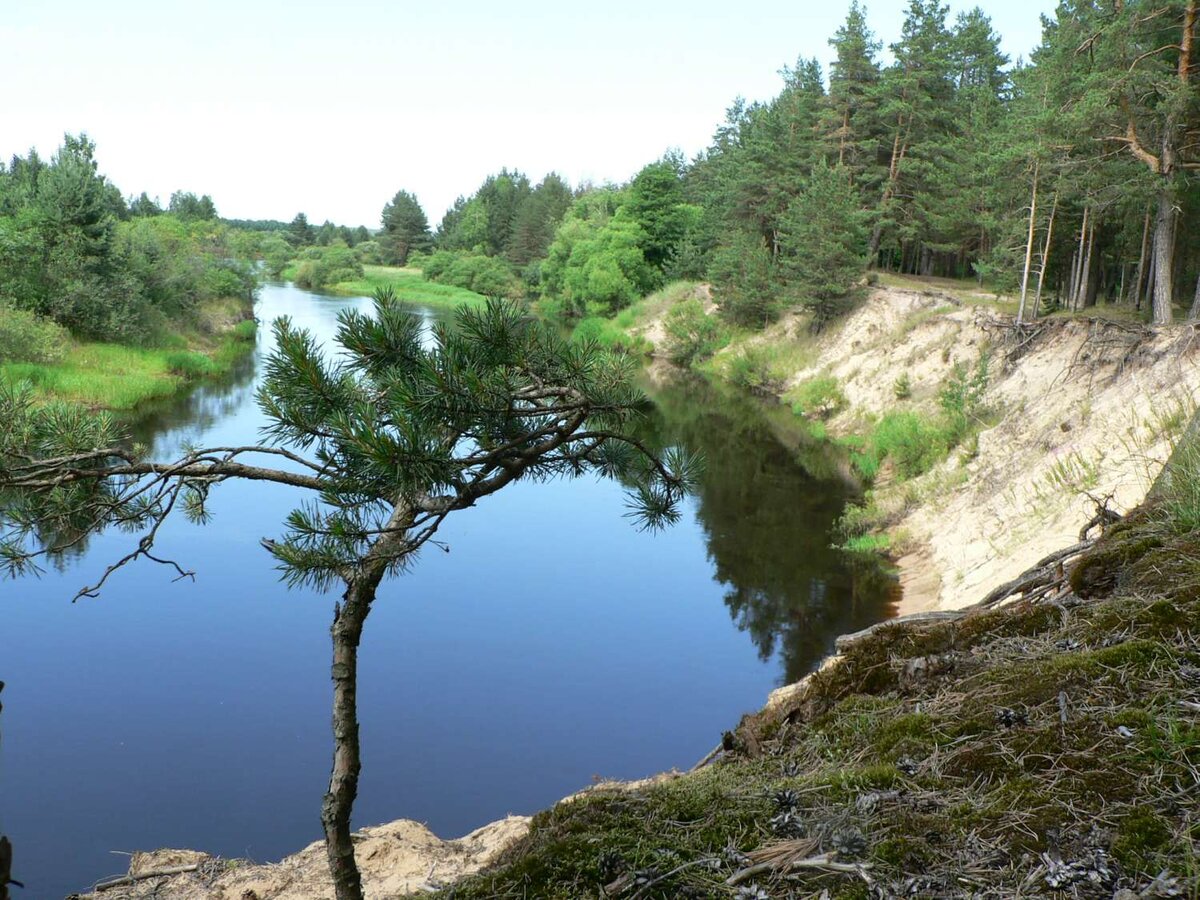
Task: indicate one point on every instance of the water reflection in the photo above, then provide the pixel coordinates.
(767, 507)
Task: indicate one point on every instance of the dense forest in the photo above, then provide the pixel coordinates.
(1066, 180)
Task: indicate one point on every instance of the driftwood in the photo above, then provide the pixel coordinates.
(126, 880)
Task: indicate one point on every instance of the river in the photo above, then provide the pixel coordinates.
(553, 643)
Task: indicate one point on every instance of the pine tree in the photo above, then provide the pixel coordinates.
(385, 440)
(405, 228)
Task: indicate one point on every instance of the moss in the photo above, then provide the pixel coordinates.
(1141, 835)
(1098, 573)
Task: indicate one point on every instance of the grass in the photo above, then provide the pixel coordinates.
(410, 286)
(117, 377)
(820, 396)
(986, 756)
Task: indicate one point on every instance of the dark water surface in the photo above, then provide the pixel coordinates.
(552, 644)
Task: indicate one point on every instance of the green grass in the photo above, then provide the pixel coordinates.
(116, 377)
(410, 286)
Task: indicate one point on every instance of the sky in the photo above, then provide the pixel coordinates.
(274, 108)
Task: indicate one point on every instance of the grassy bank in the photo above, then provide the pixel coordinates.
(118, 377)
(410, 286)
(1043, 749)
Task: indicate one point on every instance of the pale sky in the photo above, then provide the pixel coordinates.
(330, 107)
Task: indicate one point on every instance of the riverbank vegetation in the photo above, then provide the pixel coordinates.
(1067, 182)
(110, 302)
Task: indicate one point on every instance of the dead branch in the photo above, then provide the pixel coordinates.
(126, 880)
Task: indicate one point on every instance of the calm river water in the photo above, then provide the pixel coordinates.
(552, 644)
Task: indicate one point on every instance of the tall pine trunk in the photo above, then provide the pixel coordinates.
(1164, 257)
(1029, 245)
(339, 800)
(1037, 299)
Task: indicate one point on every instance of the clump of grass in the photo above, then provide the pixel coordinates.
(189, 364)
(608, 333)
(410, 286)
(245, 331)
(819, 397)
(1178, 491)
(117, 377)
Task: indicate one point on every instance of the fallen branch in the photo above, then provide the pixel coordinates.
(143, 876)
(1046, 572)
(824, 862)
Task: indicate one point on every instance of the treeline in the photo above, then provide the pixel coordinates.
(75, 253)
(1068, 180)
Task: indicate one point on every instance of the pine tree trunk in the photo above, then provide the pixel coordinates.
(346, 631)
(1164, 258)
(1077, 281)
(1037, 300)
(1087, 293)
(1194, 313)
(1140, 279)
(347, 763)
(899, 148)
(1144, 296)
(1029, 246)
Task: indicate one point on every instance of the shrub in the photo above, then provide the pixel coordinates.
(693, 335)
(487, 275)
(821, 397)
(322, 266)
(902, 387)
(25, 337)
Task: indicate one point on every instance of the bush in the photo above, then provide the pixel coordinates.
(371, 254)
(902, 387)
(322, 266)
(693, 335)
(487, 275)
(25, 337)
(821, 397)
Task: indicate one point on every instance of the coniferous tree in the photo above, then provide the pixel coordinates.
(385, 440)
(405, 229)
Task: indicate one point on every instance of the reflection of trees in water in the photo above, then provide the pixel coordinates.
(767, 521)
(197, 410)
(181, 417)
